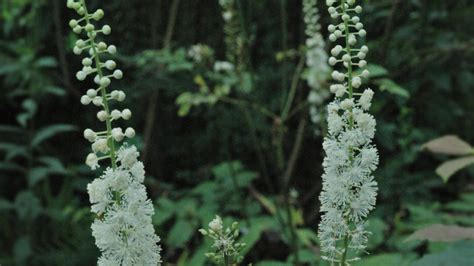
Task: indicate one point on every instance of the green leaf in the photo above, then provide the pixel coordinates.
(272, 263)
(392, 87)
(46, 62)
(180, 233)
(388, 259)
(459, 254)
(36, 175)
(165, 209)
(449, 145)
(27, 205)
(449, 168)
(5, 205)
(54, 164)
(22, 250)
(443, 233)
(376, 71)
(377, 227)
(50, 131)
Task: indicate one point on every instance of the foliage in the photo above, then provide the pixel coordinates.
(422, 73)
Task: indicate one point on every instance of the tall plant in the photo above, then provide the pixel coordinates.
(123, 229)
(349, 189)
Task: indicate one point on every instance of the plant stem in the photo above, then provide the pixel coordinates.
(103, 91)
(151, 110)
(351, 118)
(227, 261)
(294, 86)
(344, 254)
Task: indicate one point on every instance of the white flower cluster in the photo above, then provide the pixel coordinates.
(225, 242)
(123, 230)
(93, 65)
(317, 69)
(200, 53)
(124, 233)
(349, 189)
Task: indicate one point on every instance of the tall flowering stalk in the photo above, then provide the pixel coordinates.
(349, 190)
(317, 68)
(123, 229)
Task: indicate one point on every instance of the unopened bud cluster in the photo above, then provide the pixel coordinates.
(225, 242)
(317, 69)
(349, 189)
(102, 73)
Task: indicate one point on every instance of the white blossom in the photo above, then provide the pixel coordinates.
(125, 234)
(317, 69)
(349, 189)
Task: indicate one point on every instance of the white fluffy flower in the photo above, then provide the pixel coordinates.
(127, 156)
(125, 234)
(216, 224)
(349, 190)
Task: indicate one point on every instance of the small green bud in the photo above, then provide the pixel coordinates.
(118, 74)
(73, 23)
(86, 61)
(81, 11)
(70, 3)
(77, 29)
(89, 27)
(76, 5)
(101, 46)
(106, 29)
(112, 49)
(202, 231)
(98, 14)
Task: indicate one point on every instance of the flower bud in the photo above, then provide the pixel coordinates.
(81, 75)
(90, 135)
(118, 74)
(85, 100)
(112, 49)
(126, 114)
(100, 145)
(104, 82)
(117, 134)
(110, 64)
(116, 114)
(102, 115)
(91, 93)
(87, 61)
(98, 14)
(106, 29)
(129, 132)
(92, 161)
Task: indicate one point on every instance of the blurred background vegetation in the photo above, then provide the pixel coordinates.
(219, 157)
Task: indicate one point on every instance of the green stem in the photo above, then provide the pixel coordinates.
(294, 86)
(227, 261)
(103, 91)
(351, 119)
(344, 254)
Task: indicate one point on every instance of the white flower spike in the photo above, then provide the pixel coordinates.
(124, 233)
(349, 189)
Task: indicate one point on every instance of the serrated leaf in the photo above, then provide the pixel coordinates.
(449, 145)
(50, 131)
(449, 168)
(443, 233)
